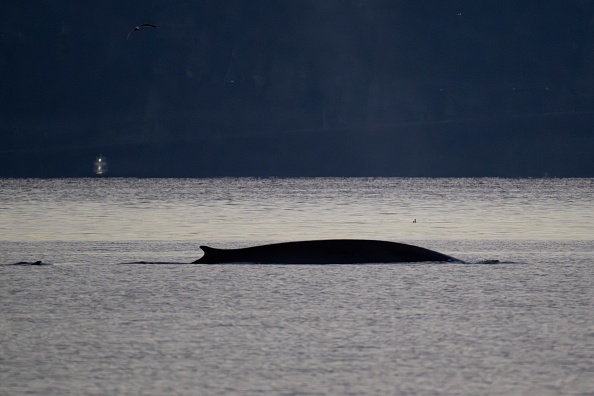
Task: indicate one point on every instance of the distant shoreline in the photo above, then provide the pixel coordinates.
(534, 145)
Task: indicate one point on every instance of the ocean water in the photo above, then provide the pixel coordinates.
(88, 323)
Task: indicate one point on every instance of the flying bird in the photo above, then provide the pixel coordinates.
(136, 28)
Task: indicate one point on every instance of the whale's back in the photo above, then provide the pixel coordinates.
(329, 251)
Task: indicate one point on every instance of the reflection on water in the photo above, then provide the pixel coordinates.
(247, 209)
(100, 166)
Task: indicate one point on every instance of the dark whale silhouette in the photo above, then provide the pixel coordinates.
(31, 263)
(328, 251)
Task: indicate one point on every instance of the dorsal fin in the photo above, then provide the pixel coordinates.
(209, 256)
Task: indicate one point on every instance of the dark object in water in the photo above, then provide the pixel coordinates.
(330, 251)
(154, 262)
(31, 263)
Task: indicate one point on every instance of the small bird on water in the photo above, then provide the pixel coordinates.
(137, 28)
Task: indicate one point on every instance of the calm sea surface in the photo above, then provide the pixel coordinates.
(88, 324)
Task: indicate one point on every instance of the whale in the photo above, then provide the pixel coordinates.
(324, 251)
(24, 263)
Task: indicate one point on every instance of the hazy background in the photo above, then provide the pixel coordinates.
(297, 88)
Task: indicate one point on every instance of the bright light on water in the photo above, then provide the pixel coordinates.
(100, 166)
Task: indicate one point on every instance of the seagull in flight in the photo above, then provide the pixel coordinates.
(136, 28)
